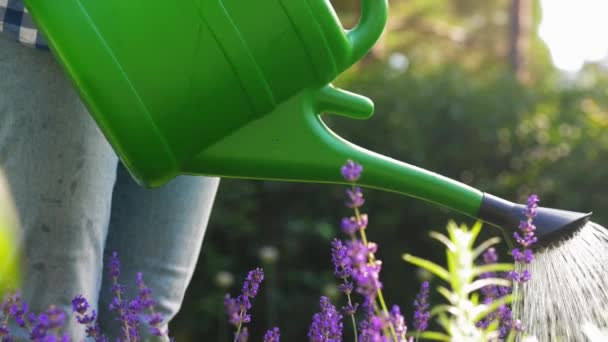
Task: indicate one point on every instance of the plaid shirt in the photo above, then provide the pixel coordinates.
(18, 25)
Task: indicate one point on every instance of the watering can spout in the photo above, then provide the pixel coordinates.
(551, 224)
(292, 143)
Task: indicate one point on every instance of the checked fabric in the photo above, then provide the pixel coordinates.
(16, 22)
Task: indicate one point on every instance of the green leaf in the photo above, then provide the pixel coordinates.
(478, 284)
(441, 308)
(432, 335)
(444, 240)
(475, 298)
(499, 267)
(447, 294)
(444, 321)
(428, 265)
(485, 245)
(476, 230)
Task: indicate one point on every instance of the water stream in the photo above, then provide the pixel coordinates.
(569, 287)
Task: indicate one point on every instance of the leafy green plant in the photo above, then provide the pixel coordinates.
(459, 317)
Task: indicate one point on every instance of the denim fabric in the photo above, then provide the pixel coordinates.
(77, 204)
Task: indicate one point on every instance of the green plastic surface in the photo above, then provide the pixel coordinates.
(230, 88)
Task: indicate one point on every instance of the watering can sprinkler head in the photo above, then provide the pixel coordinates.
(552, 225)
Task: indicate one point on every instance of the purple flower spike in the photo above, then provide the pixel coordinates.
(371, 330)
(145, 293)
(350, 309)
(243, 335)
(80, 304)
(526, 238)
(422, 314)
(367, 278)
(525, 257)
(398, 322)
(114, 265)
(80, 307)
(490, 256)
(355, 198)
(340, 259)
(18, 309)
(236, 308)
(56, 317)
(351, 225)
(351, 171)
(506, 321)
(272, 335)
(346, 287)
(326, 325)
(252, 283)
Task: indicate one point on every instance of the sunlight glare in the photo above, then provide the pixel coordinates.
(574, 31)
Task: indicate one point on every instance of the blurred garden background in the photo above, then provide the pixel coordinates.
(472, 90)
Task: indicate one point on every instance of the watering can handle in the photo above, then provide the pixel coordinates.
(371, 24)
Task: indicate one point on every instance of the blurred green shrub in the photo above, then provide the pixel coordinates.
(9, 257)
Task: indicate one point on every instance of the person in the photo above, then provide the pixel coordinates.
(77, 203)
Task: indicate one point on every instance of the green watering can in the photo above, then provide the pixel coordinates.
(235, 88)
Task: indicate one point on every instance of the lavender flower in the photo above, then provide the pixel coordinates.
(527, 228)
(490, 292)
(326, 325)
(145, 293)
(80, 306)
(366, 275)
(340, 259)
(252, 283)
(18, 309)
(351, 171)
(371, 330)
(365, 268)
(346, 287)
(243, 335)
(351, 225)
(399, 323)
(236, 308)
(525, 257)
(272, 335)
(506, 321)
(422, 314)
(146, 300)
(114, 265)
(526, 239)
(128, 311)
(55, 317)
(355, 197)
(367, 278)
(4, 332)
(350, 309)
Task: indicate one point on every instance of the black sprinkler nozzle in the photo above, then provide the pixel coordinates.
(552, 225)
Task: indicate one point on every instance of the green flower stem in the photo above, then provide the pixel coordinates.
(238, 328)
(352, 316)
(372, 260)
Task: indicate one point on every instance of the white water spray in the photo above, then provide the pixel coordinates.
(569, 287)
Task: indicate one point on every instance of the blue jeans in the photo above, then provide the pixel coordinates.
(77, 204)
